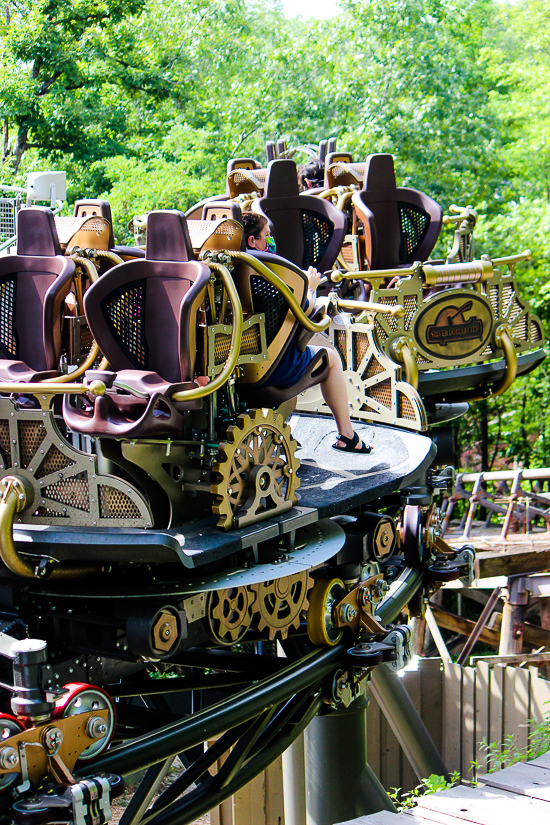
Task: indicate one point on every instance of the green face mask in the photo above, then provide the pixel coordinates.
(271, 246)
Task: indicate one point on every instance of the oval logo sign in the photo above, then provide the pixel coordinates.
(454, 325)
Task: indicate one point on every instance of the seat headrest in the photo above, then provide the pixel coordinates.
(281, 180)
(168, 237)
(379, 172)
(36, 232)
(242, 163)
(85, 208)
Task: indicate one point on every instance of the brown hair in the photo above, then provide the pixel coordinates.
(253, 225)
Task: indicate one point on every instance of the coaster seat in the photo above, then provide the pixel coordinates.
(309, 231)
(143, 315)
(283, 331)
(33, 286)
(401, 225)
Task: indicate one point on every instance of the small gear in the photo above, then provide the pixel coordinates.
(255, 475)
(280, 603)
(229, 614)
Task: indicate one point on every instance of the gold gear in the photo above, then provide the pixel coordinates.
(321, 627)
(229, 614)
(257, 457)
(280, 602)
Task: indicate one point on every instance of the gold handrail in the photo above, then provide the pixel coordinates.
(86, 365)
(13, 501)
(40, 387)
(234, 346)
(526, 255)
(402, 352)
(285, 291)
(502, 341)
(338, 277)
(384, 309)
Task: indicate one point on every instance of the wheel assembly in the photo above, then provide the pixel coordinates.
(321, 626)
(82, 698)
(256, 469)
(280, 603)
(9, 757)
(412, 535)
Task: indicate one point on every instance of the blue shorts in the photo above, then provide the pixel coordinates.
(292, 367)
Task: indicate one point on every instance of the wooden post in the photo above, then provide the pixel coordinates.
(513, 616)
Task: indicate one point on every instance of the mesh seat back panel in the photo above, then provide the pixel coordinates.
(414, 225)
(317, 231)
(8, 335)
(124, 311)
(268, 300)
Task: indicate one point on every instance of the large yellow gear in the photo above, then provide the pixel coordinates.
(229, 614)
(280, 603)
(255, 475)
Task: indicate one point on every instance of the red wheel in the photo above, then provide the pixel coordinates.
(81, 698)
(9, 726)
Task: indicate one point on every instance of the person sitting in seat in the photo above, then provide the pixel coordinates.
(294, 363)
(311, 175)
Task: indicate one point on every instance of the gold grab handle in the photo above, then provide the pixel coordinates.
(13, 501)
(287, 293)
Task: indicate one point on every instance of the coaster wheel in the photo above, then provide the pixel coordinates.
(82, 698)
(322, 629)
(9, 726)
(412, 535)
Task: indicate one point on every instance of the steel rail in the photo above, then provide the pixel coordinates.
(249, 703)
(207, 796)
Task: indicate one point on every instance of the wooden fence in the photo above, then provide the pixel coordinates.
(460, 706)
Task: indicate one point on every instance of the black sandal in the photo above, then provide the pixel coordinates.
(351, 444)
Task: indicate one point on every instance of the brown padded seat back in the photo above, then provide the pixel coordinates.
(404, 224)
(308, 231)
(282, 179)
(32, 294)
(143, 315)
(168, 237)
(36, 232)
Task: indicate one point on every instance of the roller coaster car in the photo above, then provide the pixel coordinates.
(178, 428)
(465, 332)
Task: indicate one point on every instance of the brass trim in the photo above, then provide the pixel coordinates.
(526, 255)
(234, 348)
(371, 274)
(95, 388)
(405, 357)
(86, 264)
(287, 294)
(504, 342)
(212, 331)
(86, 365)
(367, 306)
(14, 500)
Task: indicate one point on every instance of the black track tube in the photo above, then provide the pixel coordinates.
(204, 799)
(408, 583)
(285, 714)
(196, 770)
(239, 754)
(249, 703)
(127, 690)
